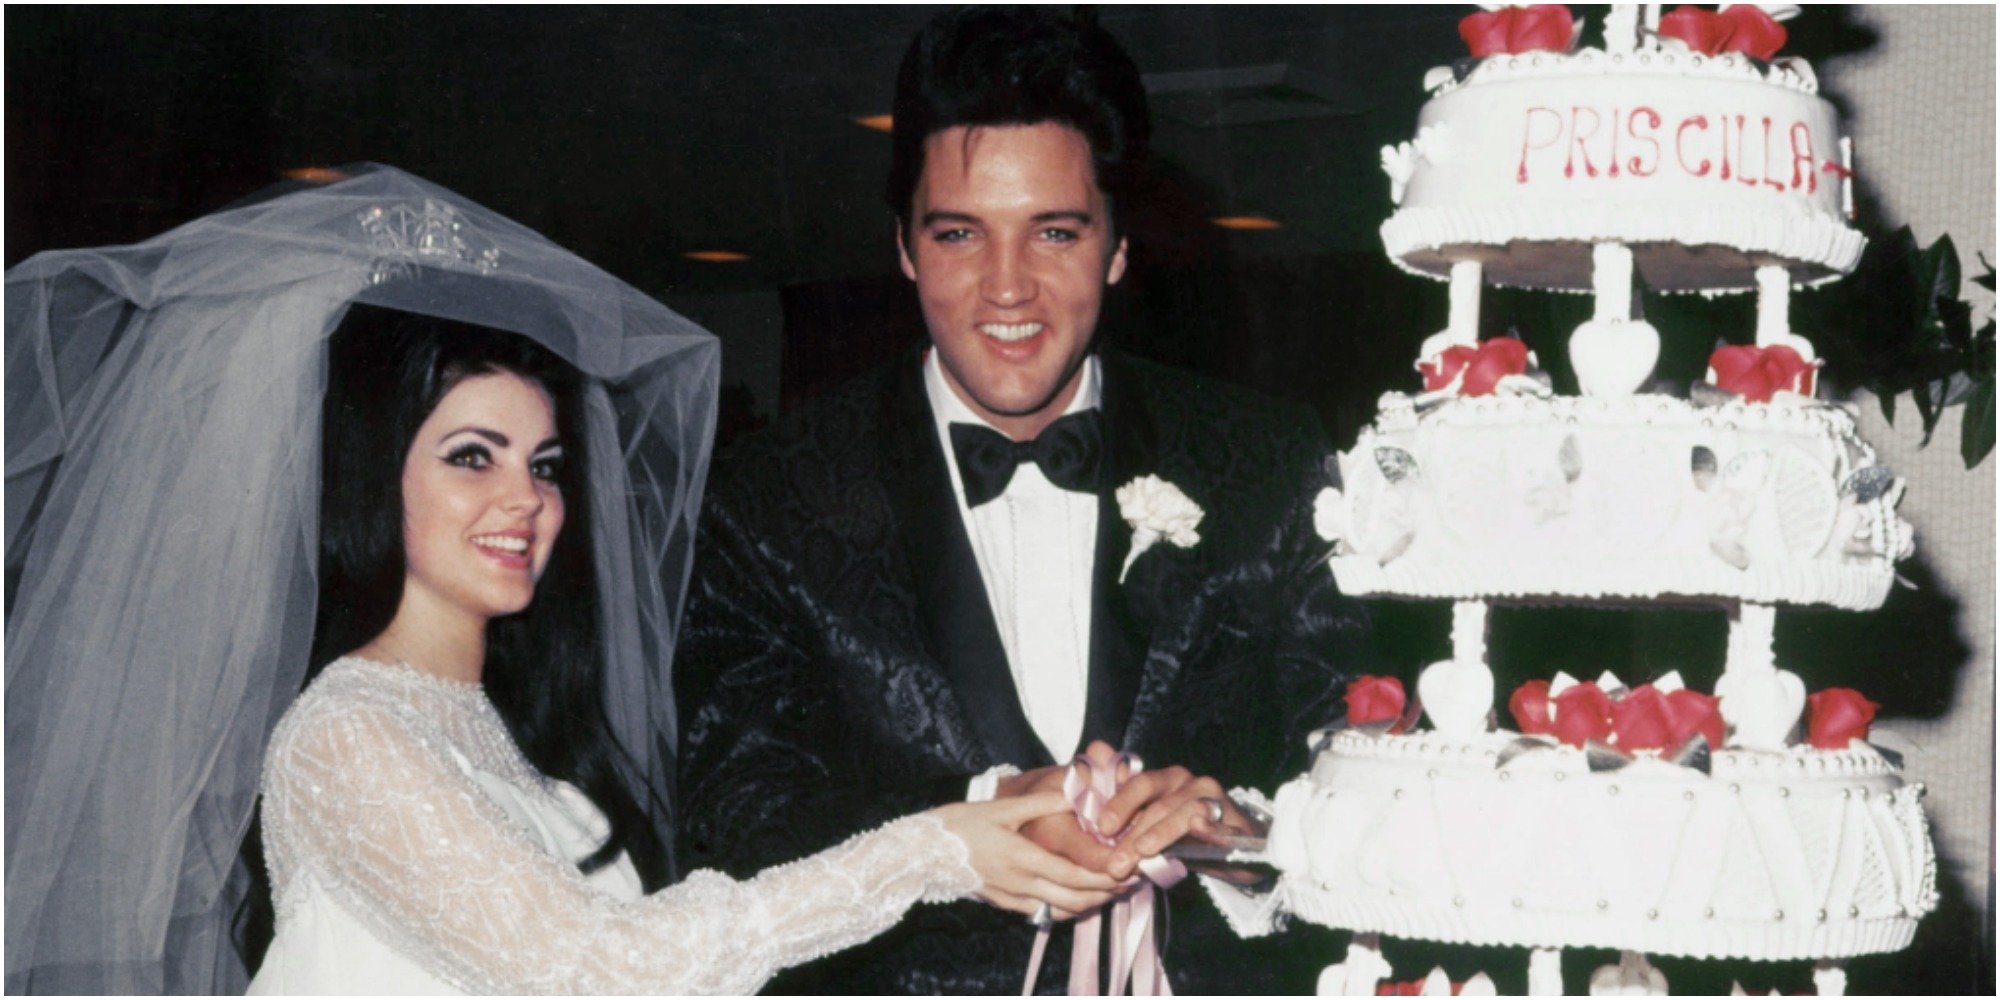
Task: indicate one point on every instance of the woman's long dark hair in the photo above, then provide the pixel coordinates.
(386, 371)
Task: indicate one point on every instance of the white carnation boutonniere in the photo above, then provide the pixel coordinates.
(1156, 509)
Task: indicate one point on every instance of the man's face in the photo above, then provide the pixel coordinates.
(1010, 247)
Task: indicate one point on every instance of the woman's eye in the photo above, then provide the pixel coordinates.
(469, 456)
(548, 470)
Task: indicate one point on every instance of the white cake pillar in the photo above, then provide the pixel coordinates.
(1621, 28)
(1358, 973)
(1760, 703)
(1613, 354)
(1467, 277)
(1458, 693)
(1830, 978)
(1545, 972)
(1774, 303)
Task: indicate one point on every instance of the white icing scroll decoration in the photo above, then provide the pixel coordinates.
(1545, 972)
(1633, 976)
(1760, 703)
(1358, 973)
(1613, 354)
(1457, 693)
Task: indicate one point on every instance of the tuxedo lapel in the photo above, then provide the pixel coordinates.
(951, 595)
(1118, 640)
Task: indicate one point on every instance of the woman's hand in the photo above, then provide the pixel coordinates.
(1017, 874)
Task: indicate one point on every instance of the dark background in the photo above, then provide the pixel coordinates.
(634, 136)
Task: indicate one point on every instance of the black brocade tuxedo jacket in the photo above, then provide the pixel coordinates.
(840, 666)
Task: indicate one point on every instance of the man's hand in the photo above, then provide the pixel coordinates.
(1015, 873)
(1151, 810)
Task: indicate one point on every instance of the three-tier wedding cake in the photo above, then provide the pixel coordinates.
(1756, 822)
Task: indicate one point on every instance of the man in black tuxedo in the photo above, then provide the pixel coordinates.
(922, 589)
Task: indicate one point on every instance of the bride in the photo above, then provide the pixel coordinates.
(496, 532)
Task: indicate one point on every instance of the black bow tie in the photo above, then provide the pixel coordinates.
(1068, 452)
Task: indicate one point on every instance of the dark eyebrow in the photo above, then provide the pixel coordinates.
(1066, 215)
(933, 218)
(499, 440)
(1078, 216)
(546, 445)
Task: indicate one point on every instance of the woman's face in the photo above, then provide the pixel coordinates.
(481, 508)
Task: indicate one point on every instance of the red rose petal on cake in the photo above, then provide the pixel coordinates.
(1836, 716)
(1639, 720)
(1691, 712)
(1543, 27)
(1740, 369)
(1439, 371)
(1498, 358)
(1751, 31)
(1374, 699)
(1582, 714)
(1699, 27)
(1485, 33)
(1530, 706)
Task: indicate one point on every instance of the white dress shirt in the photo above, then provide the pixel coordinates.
(1036, 545)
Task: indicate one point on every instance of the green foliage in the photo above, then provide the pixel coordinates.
(1897, 325)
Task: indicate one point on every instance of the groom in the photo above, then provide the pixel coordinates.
(922, 589)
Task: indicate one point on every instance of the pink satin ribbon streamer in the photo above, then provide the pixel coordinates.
(1134, 954)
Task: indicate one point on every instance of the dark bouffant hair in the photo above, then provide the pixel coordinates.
(386, 371)
(1019, 67)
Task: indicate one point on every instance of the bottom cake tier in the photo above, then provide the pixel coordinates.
(1800, 854)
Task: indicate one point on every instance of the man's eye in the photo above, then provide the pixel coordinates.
(469, 456)
(1057, 234)
(952, 235)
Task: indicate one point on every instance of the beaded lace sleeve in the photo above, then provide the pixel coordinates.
(376, 812)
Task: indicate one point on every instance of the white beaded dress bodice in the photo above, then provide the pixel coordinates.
(414, 850)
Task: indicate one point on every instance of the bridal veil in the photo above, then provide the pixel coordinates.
(162, 483)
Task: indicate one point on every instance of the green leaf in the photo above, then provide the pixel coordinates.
(1939, 269)
(1927, 407)
(1975, 440)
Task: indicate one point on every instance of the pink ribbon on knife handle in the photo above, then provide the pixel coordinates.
(1134, 954)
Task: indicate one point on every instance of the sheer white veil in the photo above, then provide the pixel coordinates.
(162, 486)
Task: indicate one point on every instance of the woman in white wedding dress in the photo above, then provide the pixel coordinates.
(413, 846)
(467, 802)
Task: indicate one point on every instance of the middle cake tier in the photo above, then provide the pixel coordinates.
(1615, 499)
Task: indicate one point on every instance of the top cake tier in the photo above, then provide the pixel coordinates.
(1708, 167)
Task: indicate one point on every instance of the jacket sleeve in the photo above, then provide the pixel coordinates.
(767, 771)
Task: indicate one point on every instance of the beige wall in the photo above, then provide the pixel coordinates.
(1921, 103)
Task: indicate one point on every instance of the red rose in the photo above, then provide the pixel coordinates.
(1530, 705)
(1691, 712)
(1582, 714)
(1742, 28)
(1639, 721)
(1542, 27)
(1374, 699)
(1483, 366)
(1836, 716)
(1413, 988)
(1755, 373)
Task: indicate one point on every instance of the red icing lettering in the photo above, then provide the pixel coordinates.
(1528, 138)
(1680, 146)
(1774, 184)
(1632, 128)
(1802, 159)
(1576, 137)
(1613, 169)
(1742, 161)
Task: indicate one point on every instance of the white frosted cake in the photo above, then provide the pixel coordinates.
(1731, 825)
(1706, 165)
